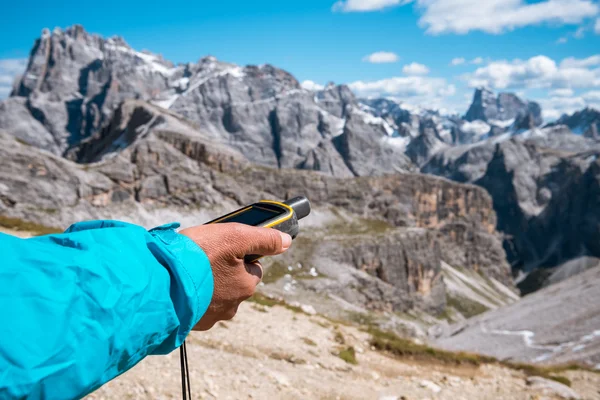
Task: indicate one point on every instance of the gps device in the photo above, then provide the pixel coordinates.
(282, 216)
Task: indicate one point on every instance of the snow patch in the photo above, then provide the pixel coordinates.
(166, 103)
(339, 127)
(152, 63)
(370, 119)
(181, 83)
(236, 72)
(476, 128)
(528, 339)
(398, 141)
(502, 123)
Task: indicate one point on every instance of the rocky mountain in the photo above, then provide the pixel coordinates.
(585, 122)
(498, 109)
(166, 169)
(73, 82)
(543, 183)
(132, 131)
(261, 111)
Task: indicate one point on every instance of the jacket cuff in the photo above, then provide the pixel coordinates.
(192, 280)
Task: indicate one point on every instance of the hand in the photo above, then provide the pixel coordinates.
(234, 280)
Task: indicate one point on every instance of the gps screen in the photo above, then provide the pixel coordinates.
(253, 216)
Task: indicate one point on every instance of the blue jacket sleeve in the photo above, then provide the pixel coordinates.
(82, 307)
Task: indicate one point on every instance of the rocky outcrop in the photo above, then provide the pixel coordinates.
(260, 111)
(424, 146)
(74, 80)
(585, 122)
(506, 106)
(152, 128)
(360, 144)
(148, 161)
(540, 184)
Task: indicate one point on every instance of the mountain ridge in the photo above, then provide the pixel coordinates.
(230, 116)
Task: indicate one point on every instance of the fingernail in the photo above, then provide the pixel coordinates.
(286, 240)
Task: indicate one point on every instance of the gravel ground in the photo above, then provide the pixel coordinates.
(275, 353)
(558, 324)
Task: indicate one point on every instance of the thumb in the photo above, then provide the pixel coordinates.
(263, 241)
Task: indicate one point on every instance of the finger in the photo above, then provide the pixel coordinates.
(260, 241)
(255, 269)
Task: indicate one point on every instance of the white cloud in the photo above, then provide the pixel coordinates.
(562, 40)
(310, 85)
(10, 68)
(418, 90)
(381, 57)
(556, 105)
(366, 5)
(415, 69)
(561, 93)
(572, 62)
(498, 16)
(592, 97)
(477, 60)
(597, 27)
(579, 33)
(491, 16)
(538, 72)
(457, 61)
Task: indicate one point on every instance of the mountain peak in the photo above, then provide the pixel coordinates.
(489, 107)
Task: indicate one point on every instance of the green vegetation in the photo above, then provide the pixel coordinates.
(259, 308)
(277, 270)
(465, 306)
(405, 348)
(400, 347)
(560, 379)
(356, 225)
(361, 318)
(23, 142)
(322, 324)
(26, 226)
(339, 338)
(274, 272)
(349, 355)
(286, 357)
(263, 300)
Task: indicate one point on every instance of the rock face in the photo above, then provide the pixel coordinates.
(261, 111)
(543, 185)
(506, 106)
(161, 132)
(74, 80)
(151, 161)
(585, 122)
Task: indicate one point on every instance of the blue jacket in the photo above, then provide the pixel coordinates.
(78, 309)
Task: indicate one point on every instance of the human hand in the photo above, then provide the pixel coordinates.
(234, 280)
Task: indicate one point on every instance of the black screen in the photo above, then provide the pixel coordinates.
(254, 216)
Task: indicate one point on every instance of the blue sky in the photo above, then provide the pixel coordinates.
(506, 44)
